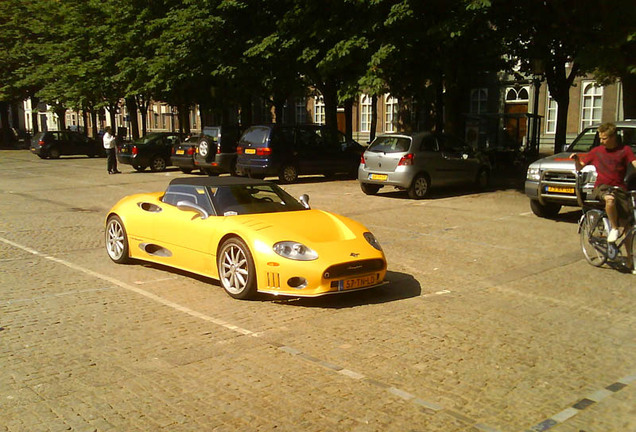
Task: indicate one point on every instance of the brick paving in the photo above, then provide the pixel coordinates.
(493, 322)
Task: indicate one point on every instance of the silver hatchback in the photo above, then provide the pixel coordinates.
(416, 162)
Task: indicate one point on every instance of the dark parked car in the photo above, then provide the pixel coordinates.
(216, 150)
(290, 151)
(153, 150)
(416, 162)
(53, 144)
(183, 154)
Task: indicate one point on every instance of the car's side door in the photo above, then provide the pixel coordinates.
(461, 166)
(309, 149)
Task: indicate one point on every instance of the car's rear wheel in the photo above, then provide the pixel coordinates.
(237, 273)
(288, 173)
(54, 153)
(158, 164)
(186, 170)
(116, 240)
(370, 189)
(547, 210)
(233, 170)
(139, 168)
(419, 187)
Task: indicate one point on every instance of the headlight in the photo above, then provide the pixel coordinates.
(372, 240)
(294, 250)
(534, 174)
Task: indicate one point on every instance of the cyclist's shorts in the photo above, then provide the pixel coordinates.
(623, 205)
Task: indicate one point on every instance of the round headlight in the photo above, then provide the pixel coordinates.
(295, 251)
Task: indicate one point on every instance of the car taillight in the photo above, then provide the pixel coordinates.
(407, 160)
(41, 143)
(362, 161)
(190, 151)
(265, 151)
(239, 150)
(134, 150)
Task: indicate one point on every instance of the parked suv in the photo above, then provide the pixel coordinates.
(153, 150)
(551, 181)
(416, 162)
(216, 150)
(53, 144)
(290, 151)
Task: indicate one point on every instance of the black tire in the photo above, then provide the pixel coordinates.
(288, 173)
(482, 181)
(139, 168)
(370, 189)
(419, 187)
(233, 170)
(237, 272)
(54, 153)
(594, 238)
(158, 164)
(256, 176)
(186, 170)
(548, 210)
(117, 241)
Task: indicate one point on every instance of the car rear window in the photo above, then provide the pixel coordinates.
(255, 137)
(390, 145)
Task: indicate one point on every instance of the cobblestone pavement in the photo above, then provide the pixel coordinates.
(493, 321)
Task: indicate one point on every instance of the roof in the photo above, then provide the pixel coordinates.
(216, 181)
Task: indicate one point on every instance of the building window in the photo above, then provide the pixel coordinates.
(517, 94)
(592, 104)
(390, 113)
(365, 113)
(319, 110)
(551, 111)
(478, 100)
(301, 110)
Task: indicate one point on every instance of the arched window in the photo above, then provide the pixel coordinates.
(591, 104)
(390, 113)
(478, 100)
(365, 113)
(517, 94)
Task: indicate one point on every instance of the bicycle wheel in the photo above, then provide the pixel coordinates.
(594, 238)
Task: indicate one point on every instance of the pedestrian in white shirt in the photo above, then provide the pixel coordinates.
(110, 144)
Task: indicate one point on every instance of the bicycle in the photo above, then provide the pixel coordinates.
(594, 228)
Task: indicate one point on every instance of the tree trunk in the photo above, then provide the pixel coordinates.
(35, 126)
(559, 83)
(348, 108)
(131, 107)
(629, 96)
(330, 95)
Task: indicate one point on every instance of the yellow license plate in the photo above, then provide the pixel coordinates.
(180, 152)
(562, 190)
(358, 282)
(250, 151)
(380, 177)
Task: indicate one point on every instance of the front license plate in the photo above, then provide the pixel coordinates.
(379, 177)
(250, 151)
(180, 152)
(561, 190)
(358, 282)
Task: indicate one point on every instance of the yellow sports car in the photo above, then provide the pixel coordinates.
(249, 234)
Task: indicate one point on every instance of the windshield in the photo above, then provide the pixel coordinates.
(251, 199)
(390, 144)
(585, 141)
(148, 138)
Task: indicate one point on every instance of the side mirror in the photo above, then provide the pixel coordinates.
(304, 200)
(190, 206)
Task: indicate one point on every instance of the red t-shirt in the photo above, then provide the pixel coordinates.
(611, 165)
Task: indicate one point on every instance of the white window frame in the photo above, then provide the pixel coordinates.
(591, 104)
(365, 113)
(478, 100)
(390, 113)
(319, 110)
(551, 113)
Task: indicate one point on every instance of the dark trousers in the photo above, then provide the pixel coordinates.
(112, 159)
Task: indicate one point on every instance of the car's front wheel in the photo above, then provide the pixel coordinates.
(158, 164)
(370, 189)
(288, 173)
(54, 153)
(547, 210)
(186, 170)
(116, 240)
(419, 187)
(237, 273)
